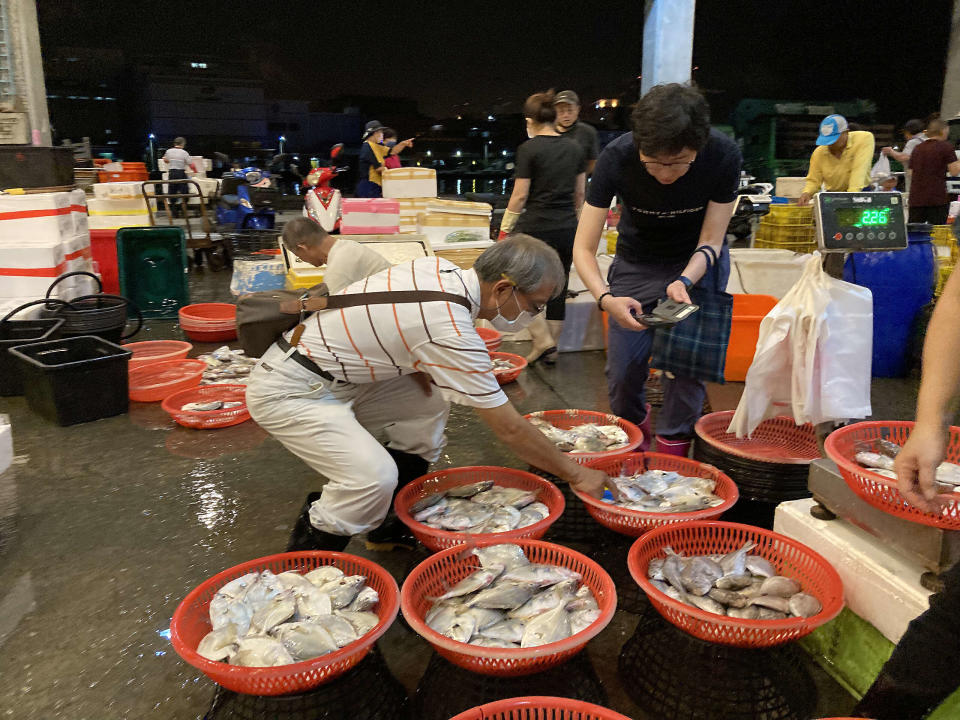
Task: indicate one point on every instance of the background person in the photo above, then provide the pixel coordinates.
(676, 179)
(371, 160)
(178, 162)
(347, 260)
(913, 135)
(842, 160)
(567, 105)
(931, 162)
(548, 189)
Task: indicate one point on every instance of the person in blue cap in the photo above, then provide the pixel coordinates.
(372, 160)
(842, 160)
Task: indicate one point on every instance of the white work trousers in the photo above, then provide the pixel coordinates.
(340, 429)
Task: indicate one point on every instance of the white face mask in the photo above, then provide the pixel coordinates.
(520, 322)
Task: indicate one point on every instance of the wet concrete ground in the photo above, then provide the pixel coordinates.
(104, 527)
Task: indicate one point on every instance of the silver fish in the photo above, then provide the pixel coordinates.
(462, 628)
(202, 406)
(655, 569)
(294, 581)
(672, 571)
(735, 582)
(304, 641)
(774, 602)
(324, 574)
(229, 612)
(750, 612)
(735, 563)
(533, 513)
(502, 596)
(312, 602)
(560, 594)
(506, 630)
(582, 619)
(275, 611)
(540, 575)
(426, 502)
(548, 627)
(474, 582)
(344, 590)
(583, 599)
(506, 555)
(260, 651)
(218, 644)
(484, 641)
(699, 574)
(760, 566)
(442, 615)
(434, 510)
(465, 491)
(781, 586)
(366, 599)
(706, 603)
(362, 621)
(340, 629)
(231, 405)
(803, 605)
(484, 617)
(770, 614)
(729, 598)
(874, 460)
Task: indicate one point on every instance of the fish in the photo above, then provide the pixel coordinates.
(260, 651)
(230, 612)
(588, 437)
(774, 602)
(655, 569)
(759, 566)
(780, 586)
(583, 599)
(735, 582)
(506, 630)
(483, 641)
(426, 502)
(202, 406)
(311, 602)
(465, 491)
(728, 597)
(230, 405)
(540, 575)
(340, 629)
(560, 594)
(219, 644)
(484, 617)
(503, 596)
(548, 627)
(362, 621)
(874, 460)
(462, 628)
(480, 508)
(664, 491)
(582, 619)
(278, 609)
(431, 511)
(735, 563)
(770, 614)
(533, 513)
(366, 599)
(672, 571)
(504, 519)
(707, 603)
(295, 581)
(506, 555)
(750, 612)
(343, 590)
(442, 615)
(324, 574)
(473, 582)
(464, 519)
(305, 641)
(804, 605)
(699, 575)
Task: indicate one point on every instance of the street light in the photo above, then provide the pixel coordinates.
(283, 141)
(153, 159)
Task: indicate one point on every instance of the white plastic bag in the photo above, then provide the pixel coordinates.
(881, 168)
(813, 355)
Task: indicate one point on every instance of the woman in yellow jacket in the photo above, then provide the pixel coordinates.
(842, 160)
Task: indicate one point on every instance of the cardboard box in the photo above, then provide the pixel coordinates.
(410, 182)
(369, 216)
(41, 217)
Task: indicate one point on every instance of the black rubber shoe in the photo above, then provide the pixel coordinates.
(306, 537)
(391, 535)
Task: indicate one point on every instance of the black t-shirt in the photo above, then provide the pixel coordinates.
(661, 223)
(552, 163)
(586, 135)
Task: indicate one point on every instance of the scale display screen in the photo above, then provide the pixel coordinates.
(858, 221)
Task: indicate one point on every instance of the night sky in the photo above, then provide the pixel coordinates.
(493, 54)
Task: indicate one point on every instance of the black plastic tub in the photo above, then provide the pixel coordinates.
(18, 332)
(74, 380)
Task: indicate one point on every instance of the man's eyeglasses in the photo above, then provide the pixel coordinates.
(648, 164)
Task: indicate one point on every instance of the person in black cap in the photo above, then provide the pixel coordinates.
(567, 105)
(372, 156)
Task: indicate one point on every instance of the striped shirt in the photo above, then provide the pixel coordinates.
(369, 343)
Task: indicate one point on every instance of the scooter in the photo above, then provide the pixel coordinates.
(240, 206)
(322, 202)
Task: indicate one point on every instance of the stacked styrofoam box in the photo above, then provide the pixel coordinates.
(409, 209)
(107, 212)
(410, 182)
(452, 224)
(369, 216)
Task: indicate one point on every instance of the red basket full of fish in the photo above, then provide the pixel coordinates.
(864, 453)
(658, 489)
(508, 609)
(460, 505)
(507, 366)
(493, 339)
(734, 584)
(256, 655)
(209, 406)
(539, 708)
(587, 434)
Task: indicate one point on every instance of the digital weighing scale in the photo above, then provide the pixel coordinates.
(859, 221)
(864, 222)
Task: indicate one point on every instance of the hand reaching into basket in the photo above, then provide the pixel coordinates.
(916, 466)
(593, 482)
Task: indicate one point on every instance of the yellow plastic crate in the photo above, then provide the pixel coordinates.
(463, 257)
(788, 215)
(610, 236)
(944, 270)
(942, 236)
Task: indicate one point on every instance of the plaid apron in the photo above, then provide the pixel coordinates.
(697, 346)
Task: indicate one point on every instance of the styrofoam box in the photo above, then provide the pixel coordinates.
(41, 217)
(369, 216)
(114, 222)
(117, 190)
(6, 443)
(8, 304)
(459, 207)
(760, 271)
(117, 206)
(790, 187)
(410, 182)
(443, 229)
(78, 211)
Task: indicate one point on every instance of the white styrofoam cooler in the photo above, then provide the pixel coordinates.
(117, 190)
(369, 216)
(410, 182)
(759, 271)
(117, 206)
(41, 217)
(452, 230)
(78, 211)
(114, 222)
(28, 268)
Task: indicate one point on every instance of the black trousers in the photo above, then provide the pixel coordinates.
(933, 214)
(562, 242)
(922, 672)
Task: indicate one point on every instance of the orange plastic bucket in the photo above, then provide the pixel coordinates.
(748, 311)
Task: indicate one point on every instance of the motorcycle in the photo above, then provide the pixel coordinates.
(242, 204)
(322, 203)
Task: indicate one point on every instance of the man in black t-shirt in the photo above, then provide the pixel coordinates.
(567, 105)
(676, 179)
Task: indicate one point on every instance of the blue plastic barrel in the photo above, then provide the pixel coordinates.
(902, 282)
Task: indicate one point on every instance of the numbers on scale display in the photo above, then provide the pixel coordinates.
(863, 217)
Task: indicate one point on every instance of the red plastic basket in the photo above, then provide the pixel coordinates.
(208, 419)
(191, 622)
(791, 558)
(436, 539)
(566, 419)
(202, 315)
(508, 376)
(777, 440)
(539, 708)
(155, 381)
(151, 351)
(437, 573)
(882, 492)
(491, 338)
(636, 522)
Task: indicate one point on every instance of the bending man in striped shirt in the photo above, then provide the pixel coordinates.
(363, 398)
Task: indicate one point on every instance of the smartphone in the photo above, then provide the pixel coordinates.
(668, 313)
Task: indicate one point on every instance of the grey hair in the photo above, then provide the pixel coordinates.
(528, 262)
(181, 141)
(302, 231)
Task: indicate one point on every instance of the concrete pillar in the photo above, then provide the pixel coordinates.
(23, 36)
(950, 103)
(667, 42)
